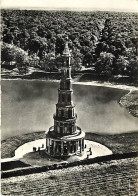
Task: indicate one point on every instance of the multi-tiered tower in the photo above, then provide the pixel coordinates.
(65, 138)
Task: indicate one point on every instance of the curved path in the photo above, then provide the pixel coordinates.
(97, 150)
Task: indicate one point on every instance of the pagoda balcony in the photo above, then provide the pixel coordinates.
(62, 118)
(78, 134)
(78, 130)
(65, 104)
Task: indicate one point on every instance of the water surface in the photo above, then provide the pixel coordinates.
(28, 106)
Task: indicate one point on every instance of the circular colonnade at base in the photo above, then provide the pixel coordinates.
(67, 145)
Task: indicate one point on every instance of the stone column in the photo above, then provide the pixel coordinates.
(80, 145)
(46, 144)
(58, 129)
(54, 146)
(49, 146)
(61, 148)
(83, 144)
(77, 145)
(71, 147)
(74, 146)
(68, 146)
(68, 128)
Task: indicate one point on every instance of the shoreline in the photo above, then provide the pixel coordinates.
(109, 85)
(89, 83)
(130, 102)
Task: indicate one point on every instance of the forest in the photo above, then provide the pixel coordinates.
(104, 41)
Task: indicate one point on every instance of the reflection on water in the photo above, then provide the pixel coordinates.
(28, 106)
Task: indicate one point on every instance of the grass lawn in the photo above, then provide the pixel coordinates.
(9, 145)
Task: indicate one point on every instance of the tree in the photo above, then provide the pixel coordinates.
(88, 59)
(121, 65)
(34, 60)
(7, 54)
(9, 37)
(132, 69)
(76, 60)
(12, 53)
(60, 44)
(104, 63)
(22, 61)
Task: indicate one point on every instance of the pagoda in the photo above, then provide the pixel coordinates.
(65, 138)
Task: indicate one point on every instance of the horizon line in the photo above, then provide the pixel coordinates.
(69, 9)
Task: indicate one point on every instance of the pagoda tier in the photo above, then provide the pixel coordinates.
(65, 138)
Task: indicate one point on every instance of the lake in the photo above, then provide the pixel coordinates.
(29, 105)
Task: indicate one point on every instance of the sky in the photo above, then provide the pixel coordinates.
(109, 5)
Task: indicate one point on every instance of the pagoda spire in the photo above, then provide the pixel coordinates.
(66, 51)
(66, 58)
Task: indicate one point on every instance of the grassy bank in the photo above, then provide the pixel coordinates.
(130, 102)
(9, 145)
(119, 143)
